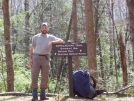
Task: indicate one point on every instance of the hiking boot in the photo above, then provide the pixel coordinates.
(35, 99)
(42, 94)
(35, 95)
(42, 97)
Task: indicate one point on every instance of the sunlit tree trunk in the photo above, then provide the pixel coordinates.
(27, 34)
(9, 61)
(76, 59)
(90, 38)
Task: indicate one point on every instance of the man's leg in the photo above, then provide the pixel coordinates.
(45, 67)
(34, 76)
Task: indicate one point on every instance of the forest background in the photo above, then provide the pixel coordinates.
(110, 37)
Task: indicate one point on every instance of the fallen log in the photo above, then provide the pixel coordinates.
(118, 93)
(23, 94)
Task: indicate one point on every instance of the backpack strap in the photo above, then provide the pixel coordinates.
(94, 81)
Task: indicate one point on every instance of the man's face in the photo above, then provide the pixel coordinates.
(44, 29)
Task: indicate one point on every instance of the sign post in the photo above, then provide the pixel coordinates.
(71, 90)
(70, 49)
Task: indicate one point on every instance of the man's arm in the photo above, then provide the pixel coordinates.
(54, 42)
(57, 41)
(31, 55)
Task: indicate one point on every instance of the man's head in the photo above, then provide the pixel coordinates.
(44, 28)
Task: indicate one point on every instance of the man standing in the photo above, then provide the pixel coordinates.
(39, 60)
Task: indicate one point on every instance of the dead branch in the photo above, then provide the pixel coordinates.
(125, 88)
(15, 94)
(118, 91)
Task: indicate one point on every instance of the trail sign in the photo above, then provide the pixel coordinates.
(69, 49)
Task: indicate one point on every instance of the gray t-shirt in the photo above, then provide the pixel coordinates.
(40, 42)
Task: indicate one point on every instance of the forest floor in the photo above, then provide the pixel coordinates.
(64, 98)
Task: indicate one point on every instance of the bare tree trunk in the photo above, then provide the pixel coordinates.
(111, 54)
(76, 58)
(110, 38)
(69, 27)
(90, 38)
(42, 13)
(27, 34)
(130, 4)
(9, 61)
(67, 38)
(123, 60)
(114, 41)
(96, 2)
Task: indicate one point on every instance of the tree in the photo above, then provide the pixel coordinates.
(123, 59)
(27, 35)
(76, 59)
(90, 38)
(9, 61)
(130, 4)
(98, 40)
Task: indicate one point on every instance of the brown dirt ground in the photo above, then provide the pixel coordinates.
(62, 98)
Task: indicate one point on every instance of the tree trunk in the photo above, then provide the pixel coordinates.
(42, 12)
(76, 59)
(90, 38)
(123, 60)
(27, 34)
(9, 61)
(67, 38)
(130, 4)
(99, 42)
(110, 39)
(114, 42)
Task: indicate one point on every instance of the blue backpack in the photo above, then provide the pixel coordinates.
(82, 85)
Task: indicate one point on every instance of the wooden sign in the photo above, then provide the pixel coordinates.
(69, 49)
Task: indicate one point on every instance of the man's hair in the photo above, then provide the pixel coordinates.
(44, 24)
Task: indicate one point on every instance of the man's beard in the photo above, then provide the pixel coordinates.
(44, 32)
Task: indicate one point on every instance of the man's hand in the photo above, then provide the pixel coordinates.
(53, 42)
(31, 55)
(31, 62)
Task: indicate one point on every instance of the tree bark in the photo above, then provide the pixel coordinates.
(9, 61)
(27, 34)
(123, 60)
(96, 3)
(90, 38)
(76, 59)
(130, 4)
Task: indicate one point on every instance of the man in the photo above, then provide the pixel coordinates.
(39, 60)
